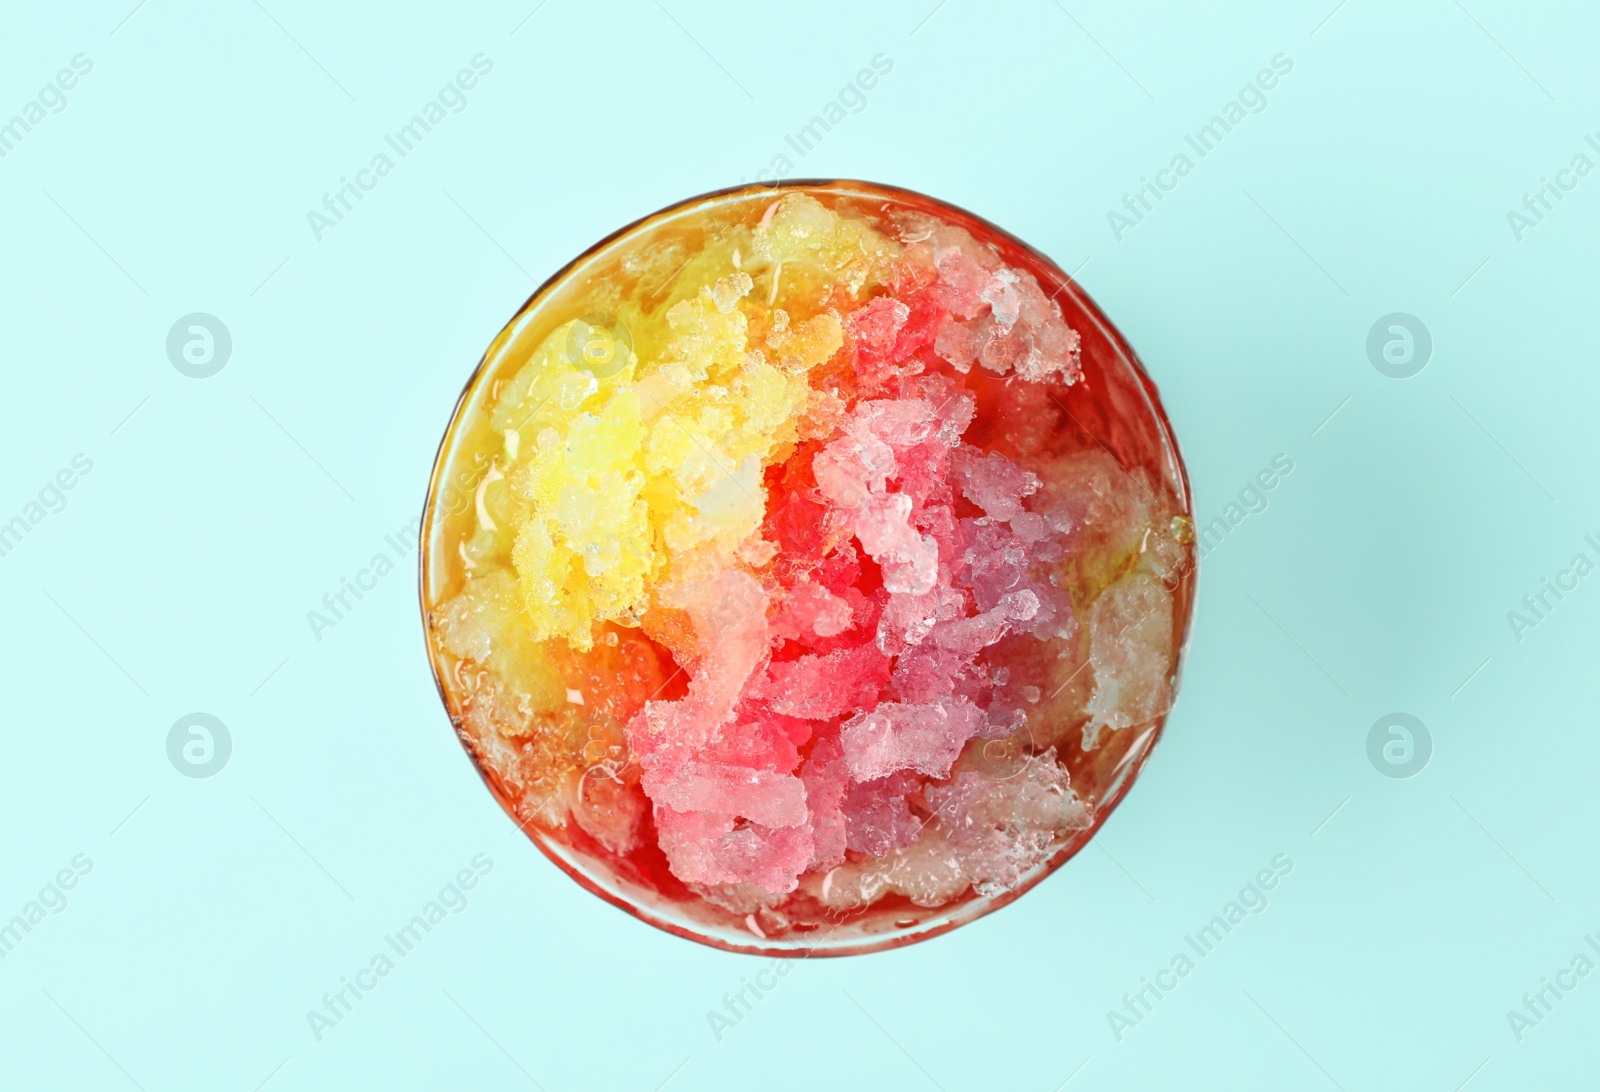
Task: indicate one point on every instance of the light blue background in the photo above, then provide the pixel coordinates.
(1377, 180)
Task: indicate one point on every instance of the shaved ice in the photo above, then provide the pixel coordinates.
(817, 539)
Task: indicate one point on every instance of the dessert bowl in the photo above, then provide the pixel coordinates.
(806, 569)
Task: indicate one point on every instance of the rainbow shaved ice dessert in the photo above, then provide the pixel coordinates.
(781, 577)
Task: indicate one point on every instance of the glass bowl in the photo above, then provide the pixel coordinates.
(1114, 408)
